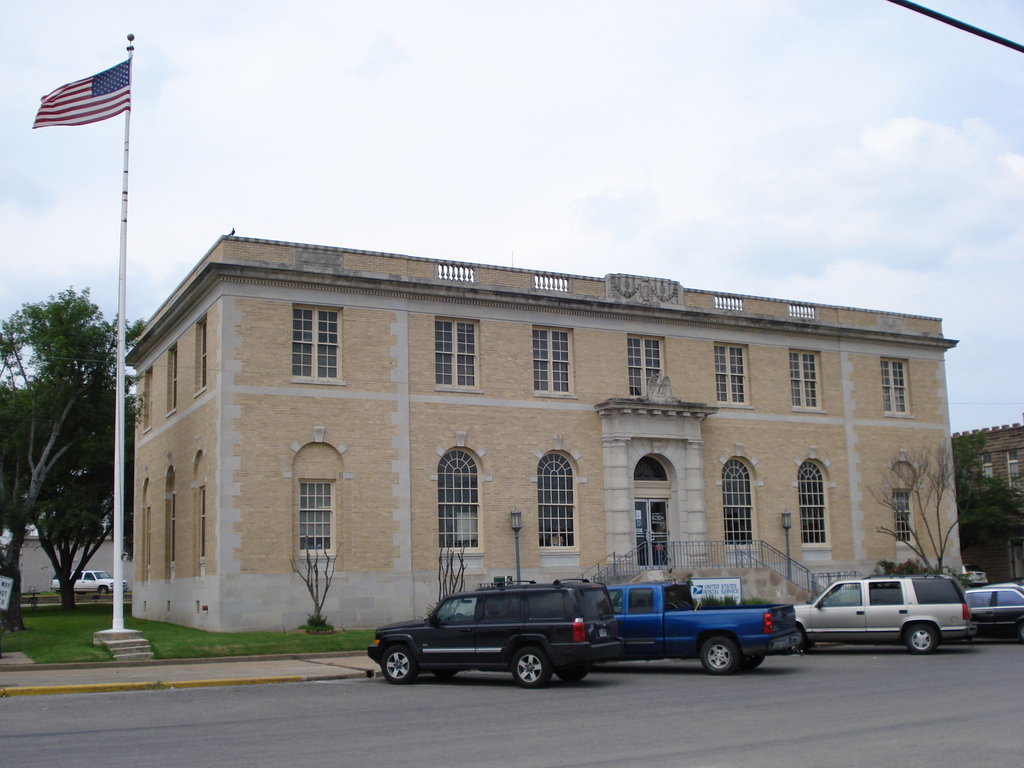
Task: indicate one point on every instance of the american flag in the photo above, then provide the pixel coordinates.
(90, 100)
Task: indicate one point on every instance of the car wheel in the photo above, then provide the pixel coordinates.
(444, 674)
(751, 662)
(398, 665)
(102, 589)
(720, 656)
(572, 674)
(1020, 632)
(805, 642)
(921, 638)
(531, 668)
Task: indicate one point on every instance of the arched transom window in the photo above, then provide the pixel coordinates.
(555, 505)
(458, 500)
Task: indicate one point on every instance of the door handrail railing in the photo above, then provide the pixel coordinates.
(618, 568)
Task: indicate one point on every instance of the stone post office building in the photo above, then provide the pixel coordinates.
(380, 407)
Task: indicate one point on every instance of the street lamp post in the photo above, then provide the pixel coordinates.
(517, 526)
(787, 523)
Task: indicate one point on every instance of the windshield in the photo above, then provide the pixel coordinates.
(101, 574)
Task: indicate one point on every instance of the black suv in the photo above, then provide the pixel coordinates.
(532, 630)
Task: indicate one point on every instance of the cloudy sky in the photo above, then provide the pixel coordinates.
(847, 152)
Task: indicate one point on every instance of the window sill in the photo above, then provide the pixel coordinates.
(453, 388)
(316, 381)
(198, 393)
(816, 553)
(802, 409)
(555, 559)
(898, 415)
(556, 395)
(736, 406)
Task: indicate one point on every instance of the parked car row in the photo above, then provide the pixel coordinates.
(536, 631)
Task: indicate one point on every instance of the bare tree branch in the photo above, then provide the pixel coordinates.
(927, 476)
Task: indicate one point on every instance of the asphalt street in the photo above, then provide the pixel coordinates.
(839, 706)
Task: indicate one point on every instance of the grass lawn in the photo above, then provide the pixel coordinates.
(53, 635)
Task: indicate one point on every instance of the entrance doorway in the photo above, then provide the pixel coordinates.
(651, 531)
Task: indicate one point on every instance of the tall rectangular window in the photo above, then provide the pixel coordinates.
(314, 516)
(730, 374)
(894, 386)
(803, 379)
(811, 498)
(201, 355)
(555, 502)
(1012, 469)
(147, 399)
(901, 514)
(455, 353)
(172, 526)
(643, 360)
(458, 501)
(315, 339)
(737, 502)
(202, 521)
(551, 360)
(172, 378)
(986, 465)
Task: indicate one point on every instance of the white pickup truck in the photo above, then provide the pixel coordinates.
(93, 581)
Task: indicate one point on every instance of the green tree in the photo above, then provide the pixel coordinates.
(57, 387)
(990, 508)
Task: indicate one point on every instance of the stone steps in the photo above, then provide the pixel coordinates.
(126, 645)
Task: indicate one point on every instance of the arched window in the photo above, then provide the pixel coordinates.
(737, 503)
(458, 500)
(316, 468)
(811, 493)
(555, 507)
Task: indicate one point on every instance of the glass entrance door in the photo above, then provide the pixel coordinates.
(651, 531)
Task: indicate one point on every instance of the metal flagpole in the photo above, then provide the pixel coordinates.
(118, 618)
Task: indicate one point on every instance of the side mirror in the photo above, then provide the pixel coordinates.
(433, 621)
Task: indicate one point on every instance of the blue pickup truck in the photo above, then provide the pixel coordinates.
(657, 620)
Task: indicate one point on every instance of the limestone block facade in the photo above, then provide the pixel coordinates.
(379, 407)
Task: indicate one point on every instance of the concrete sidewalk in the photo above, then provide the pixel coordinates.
(19, 677)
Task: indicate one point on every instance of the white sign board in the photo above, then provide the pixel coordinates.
(6, 587)
(701, 589)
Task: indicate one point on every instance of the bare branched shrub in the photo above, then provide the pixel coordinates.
(316, 569)
(451, 571)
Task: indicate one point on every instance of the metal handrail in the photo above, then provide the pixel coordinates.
(618, 568)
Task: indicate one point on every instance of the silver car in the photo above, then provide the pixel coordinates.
(918, 611)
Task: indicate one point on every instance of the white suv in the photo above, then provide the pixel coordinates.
(919, 611)
(93, 581)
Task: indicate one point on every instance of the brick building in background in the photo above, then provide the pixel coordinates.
(299, 397)
(1001, 456)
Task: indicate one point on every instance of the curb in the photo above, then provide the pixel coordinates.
(158, 685)
(172, 662)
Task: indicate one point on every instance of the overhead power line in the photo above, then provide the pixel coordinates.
(959, 24)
